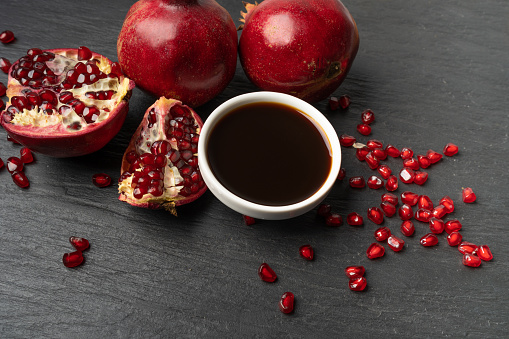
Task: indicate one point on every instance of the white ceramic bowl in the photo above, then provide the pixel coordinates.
(257, 210)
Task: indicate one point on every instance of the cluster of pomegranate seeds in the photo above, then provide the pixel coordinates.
(266, 273)
(101, 180)
(76, 258)
(307, 252)
(357, 282)
(331, 218)
(6, 37)
(16, 165)
(286, 303)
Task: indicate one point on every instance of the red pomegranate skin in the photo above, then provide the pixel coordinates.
(300, 47)
(181, 49)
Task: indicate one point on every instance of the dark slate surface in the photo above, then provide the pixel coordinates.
(433, 72)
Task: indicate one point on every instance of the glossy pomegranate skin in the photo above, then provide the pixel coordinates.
(300, 47)
(181, 49)
(58, 142)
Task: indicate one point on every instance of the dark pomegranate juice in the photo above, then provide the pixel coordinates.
(269, 153)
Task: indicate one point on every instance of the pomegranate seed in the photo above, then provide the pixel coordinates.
(79, 244)
(374, 144)
(420, 177)
(5, 65)
(424, 202)
(448, 204)
(375, 250)
(452, 226)
(84, 53)
(375, 182)
(407, 228)
(306, 251)
(361, 153)
(364, 129)
(333, 103)
(344, 101)
(392, 183)
(101, 180)
(372, 161)
(382, 233)
(26, 155)
(324, 210)
(73, 259)
(450, 149)
(385, 171)
(454, 239)
(409, 198)
(438, 212)
(286, 303)
(6, 37)
(346, 140)
(266, 273)
(20, 179)
(379, 153)
(407, 175)
(355, 271)
(392, 151)
(3, 89)
(467, 247)
(471, 260)
(423, 161)
(411, 163)
(433, 156)
(354, 219)
(248, 220)
(429, 240)
(468, 195)
(405, 212)
(395, 243)
(357, 284)
(391, 198)
(406, 153)
(484, 253)
(367, 116)
(357, 182)
(423, 215)
(388, 208)
(14, 164)
(1, 163)
(334, 220)
(375, 215)
(436, 225)
(341, 174)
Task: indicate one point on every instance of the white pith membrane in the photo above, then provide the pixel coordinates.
(63, 62)
(172, 179)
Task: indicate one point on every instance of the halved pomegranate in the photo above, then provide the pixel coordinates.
(63, 105)
(160, 165)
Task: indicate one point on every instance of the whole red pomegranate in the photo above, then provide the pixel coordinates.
(182, 49)
(300, 47)
(65, 102)
(160, 166)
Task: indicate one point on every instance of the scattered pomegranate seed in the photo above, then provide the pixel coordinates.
(429, 240)
(471, 260)
(433, 156)
(3, 89)
(84, 53)
(452, 226)
(368, 116)
(14, 164)
(385, 171)
(375, 250)
(379, 153)
(420, 177)
(20, 179)
(425, 202)
(355, 271)
(411, 163)
(376, 215)
(374, 144)
(357, 182)
(484, 253)
(346, 140)
(436, 225)
(354, 219)
(406, 153)
(407, 175)
(1, 163)
(454, 239)
(5, 65)
(286, 303)
(389, 197)
(344, 101)
(392, 151)
(395, 243)
(372, 161)
(26, 155)
(101, 179)
(6, 37)
(364, 129)
(341, 174)
(357, 284)
(409, 198)
(450, 149)
(334, 219)
(382, 233)
(448, 204)
(73, 259)
(324, 210)
(405, 212)
(266, 273)
(388, 208)
(423, 161)
(467, 247)
(333, 103)
(375, 182)
(468, 195)
(307, 252)
(80, 244)
(407, 228)
(361, 153)
(422, 215)
(392, 183)
(438, 212)
(248, 220)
